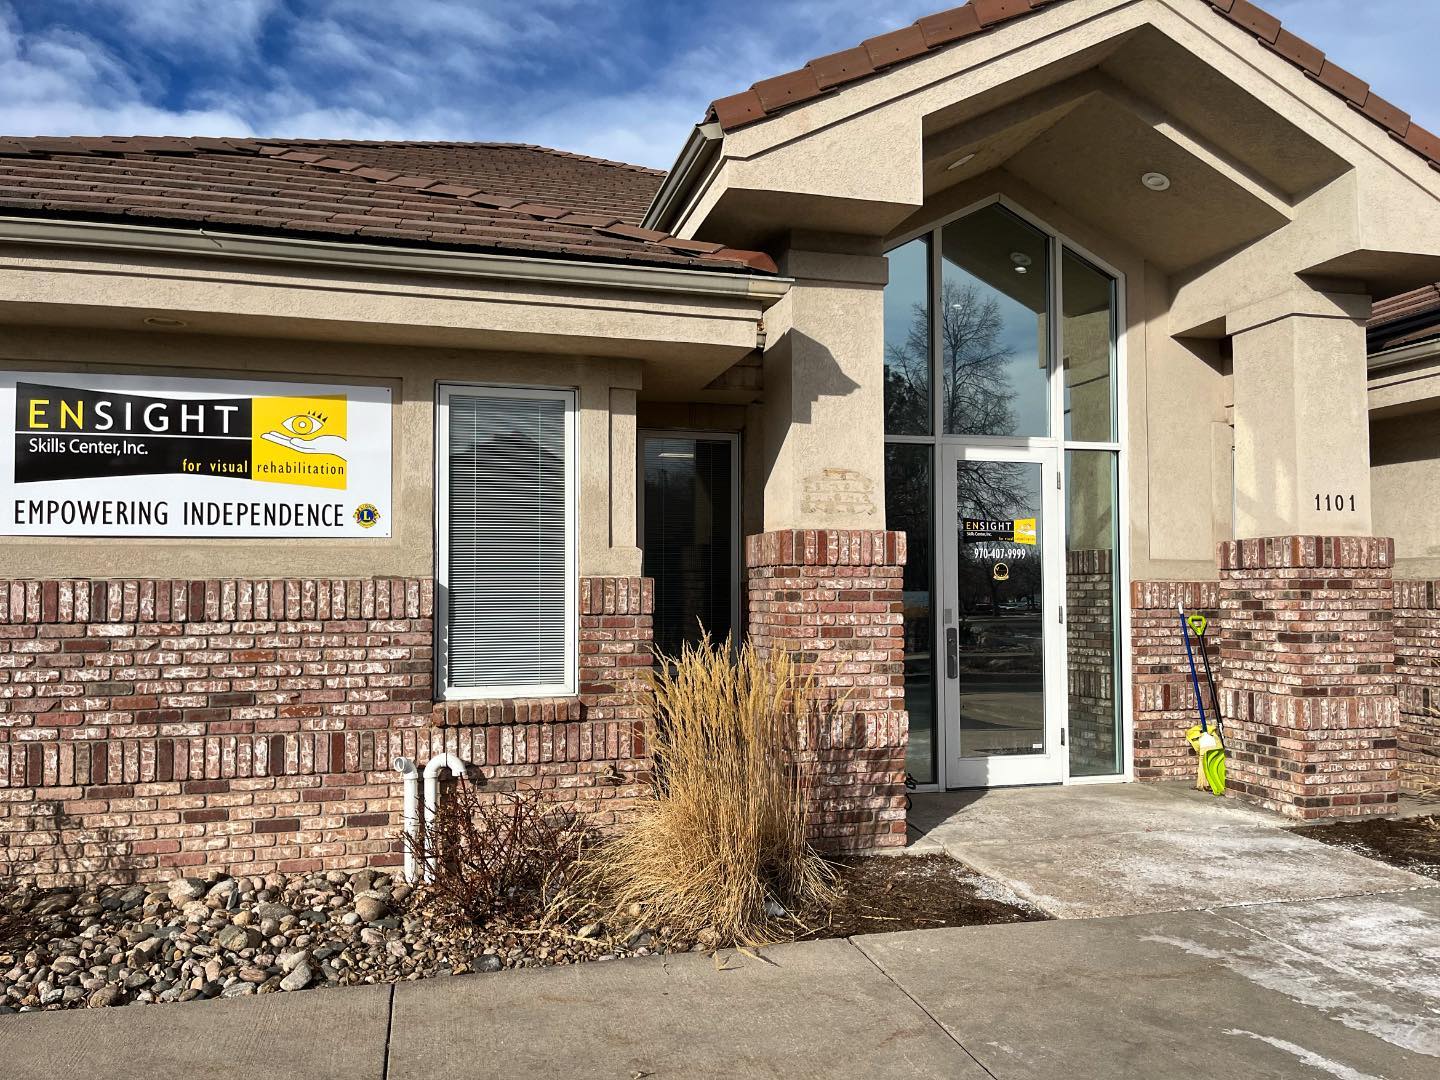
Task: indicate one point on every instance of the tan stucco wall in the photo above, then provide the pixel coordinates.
(605, 444)
(1405, 486)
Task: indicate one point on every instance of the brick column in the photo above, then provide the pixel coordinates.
(833, 598)
(1308, 648)
(1164, 695)
(1417, 669)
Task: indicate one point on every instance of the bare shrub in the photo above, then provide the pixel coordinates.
(720, 838)
(499, 856)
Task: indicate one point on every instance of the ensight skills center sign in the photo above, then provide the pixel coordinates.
(125, 455)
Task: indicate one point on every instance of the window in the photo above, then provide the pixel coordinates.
(507, 596)
(689, 525)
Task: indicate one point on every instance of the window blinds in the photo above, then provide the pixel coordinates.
(508, 595)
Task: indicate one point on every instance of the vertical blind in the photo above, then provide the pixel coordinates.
(508, 592)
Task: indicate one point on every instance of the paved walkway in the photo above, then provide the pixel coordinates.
(1124, 849)
(1225, 967)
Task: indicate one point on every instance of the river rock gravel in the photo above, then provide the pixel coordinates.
(213, 936)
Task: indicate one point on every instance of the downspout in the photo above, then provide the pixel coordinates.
(409, 816)
(432, 797)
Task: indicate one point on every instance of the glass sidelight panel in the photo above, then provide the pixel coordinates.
(1091, 620)
(996, 646)
(994, 295)
(689, 537)
(1087, 335)
(907, 340)
(908, 495)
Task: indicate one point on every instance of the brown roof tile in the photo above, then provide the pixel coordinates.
(487, 196)
(770, 96)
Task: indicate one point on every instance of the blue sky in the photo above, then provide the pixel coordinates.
(618, 78)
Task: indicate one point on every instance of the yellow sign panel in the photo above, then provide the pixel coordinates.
(299, 440)
(1025, 530)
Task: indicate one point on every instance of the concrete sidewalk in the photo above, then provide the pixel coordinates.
(1343, 988)
(1086, 851)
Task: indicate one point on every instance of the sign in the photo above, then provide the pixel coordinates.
(1016, 531)
(127, 455)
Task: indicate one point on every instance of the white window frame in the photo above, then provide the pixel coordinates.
(444, 391)
(1057, 241)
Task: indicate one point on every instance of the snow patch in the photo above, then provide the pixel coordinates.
(1308, 1057)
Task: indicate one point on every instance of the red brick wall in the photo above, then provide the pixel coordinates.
(587, 748)
(1417, 668)
(251, 725)
(1164, 696)
(834, 599)
(1308, 641)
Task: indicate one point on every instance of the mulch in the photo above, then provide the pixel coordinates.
(1410, 843)
(881, 893)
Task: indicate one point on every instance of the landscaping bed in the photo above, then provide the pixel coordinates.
(204, 937)
(1411, 843)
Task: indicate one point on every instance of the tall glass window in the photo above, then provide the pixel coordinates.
(996, 332)
(907, 340)
(908, 497)
(1092, 577)
(994, 293)
(1088, 334)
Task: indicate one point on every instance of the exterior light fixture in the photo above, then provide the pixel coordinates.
(156, 320)
(1022, 262)
(965, 160)
(1156, 181)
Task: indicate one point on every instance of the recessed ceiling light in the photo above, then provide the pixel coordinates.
(1156, 181)
(1022, 262)
(960, 161)
(156, 320)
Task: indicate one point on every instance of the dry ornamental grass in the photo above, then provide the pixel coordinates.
(718, 847)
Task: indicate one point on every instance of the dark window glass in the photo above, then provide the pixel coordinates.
(689, 537)
(907, 340)
(1087, 341)
(908, 474)
(994, 294)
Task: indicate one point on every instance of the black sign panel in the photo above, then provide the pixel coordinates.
(64, 433)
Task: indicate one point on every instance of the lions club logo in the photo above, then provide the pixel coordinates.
(367, 515)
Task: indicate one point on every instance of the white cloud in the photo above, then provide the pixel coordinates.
(595, 77)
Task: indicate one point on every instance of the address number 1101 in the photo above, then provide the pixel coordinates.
(1335, 502)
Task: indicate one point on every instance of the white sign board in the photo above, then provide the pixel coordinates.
(129, 455)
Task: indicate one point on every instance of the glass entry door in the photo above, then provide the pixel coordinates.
(1003, 590)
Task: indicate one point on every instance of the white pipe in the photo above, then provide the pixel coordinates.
(410, 817)
(432, 796)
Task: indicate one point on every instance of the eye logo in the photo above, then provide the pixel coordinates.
(304, 423)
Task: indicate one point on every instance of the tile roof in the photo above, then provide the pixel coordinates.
(496, 197)
(822, 75)
(1411, 317)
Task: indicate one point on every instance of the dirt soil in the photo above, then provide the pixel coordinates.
(1409, 843)
(881, 893)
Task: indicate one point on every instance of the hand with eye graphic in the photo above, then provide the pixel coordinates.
(320, 444)
(303, 437)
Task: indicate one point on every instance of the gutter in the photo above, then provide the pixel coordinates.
(159, 240)
(1404, 354)
(696, 157)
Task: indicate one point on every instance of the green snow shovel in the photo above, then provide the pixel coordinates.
(1206, 742)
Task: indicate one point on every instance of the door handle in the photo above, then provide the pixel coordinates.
(952, 653)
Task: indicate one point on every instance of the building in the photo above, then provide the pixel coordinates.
(952, 362)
